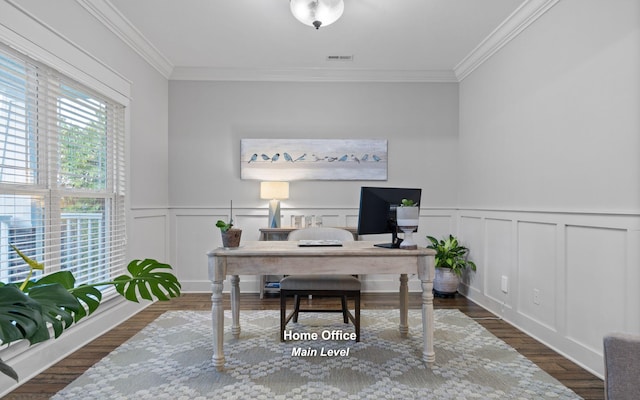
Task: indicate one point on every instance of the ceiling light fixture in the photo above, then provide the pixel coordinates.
(317, 12)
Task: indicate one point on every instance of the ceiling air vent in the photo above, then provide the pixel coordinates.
(340, 58)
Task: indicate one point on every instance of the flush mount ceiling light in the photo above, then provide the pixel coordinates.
(317, 12)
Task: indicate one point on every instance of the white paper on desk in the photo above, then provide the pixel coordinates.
(323, 242)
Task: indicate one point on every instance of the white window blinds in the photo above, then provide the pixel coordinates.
(61, 173)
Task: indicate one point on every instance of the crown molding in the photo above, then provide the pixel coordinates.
(518, 21)
(105, 12)
(26, 33)
(311, 75)
(109, 16)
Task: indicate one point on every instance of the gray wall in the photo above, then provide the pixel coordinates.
(554, 115)
(207, 120)
(549, 190)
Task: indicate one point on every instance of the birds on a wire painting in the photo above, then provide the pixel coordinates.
(288, 158)
(313, 159)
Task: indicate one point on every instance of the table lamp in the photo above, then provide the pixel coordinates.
(274, 192)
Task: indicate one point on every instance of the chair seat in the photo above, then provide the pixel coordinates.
(342, 286)
(621, 366)
(320, 282)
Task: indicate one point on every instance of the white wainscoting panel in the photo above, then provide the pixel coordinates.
(437, 225)
(471, 235)
(149, 234)
(194, 236)
(583, 267)
(596, 266)
(499, 260)
(537, 285)
(194, 233)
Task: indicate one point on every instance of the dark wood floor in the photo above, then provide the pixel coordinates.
(61, 374)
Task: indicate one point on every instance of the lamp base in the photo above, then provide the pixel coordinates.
(274, 213)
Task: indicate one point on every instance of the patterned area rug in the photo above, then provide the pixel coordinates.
(171, 359)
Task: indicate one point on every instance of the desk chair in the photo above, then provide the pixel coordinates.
(621, 366)
(342, 286)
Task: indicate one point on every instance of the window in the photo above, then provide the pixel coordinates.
(61, 173)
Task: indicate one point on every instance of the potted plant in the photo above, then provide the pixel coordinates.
(450, 261)
(29, 309)
(407, 216)
(230, 236)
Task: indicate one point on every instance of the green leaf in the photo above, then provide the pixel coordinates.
(20, 317)
(407, 203)
(434, 242)
(64, 278)
(89, 298)
(7, 370)
(32, 263)
(223, 225)
(145, 277)
(53, 299)
(58, 305)
(450, 254)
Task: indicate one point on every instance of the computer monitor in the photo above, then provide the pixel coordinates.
(378, 211)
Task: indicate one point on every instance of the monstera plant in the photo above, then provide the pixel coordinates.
(29, 309)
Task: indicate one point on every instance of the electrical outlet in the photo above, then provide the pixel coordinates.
(536, 296)
(504, 284)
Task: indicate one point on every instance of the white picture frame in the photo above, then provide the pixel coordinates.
(313, 159)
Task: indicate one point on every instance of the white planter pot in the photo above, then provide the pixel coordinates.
(445, 282)
(407, 216)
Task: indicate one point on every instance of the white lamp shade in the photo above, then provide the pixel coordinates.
(274, 190)
(312, 12)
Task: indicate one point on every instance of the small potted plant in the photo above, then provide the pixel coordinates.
(407, 217)
(450, 261)
(230, 236)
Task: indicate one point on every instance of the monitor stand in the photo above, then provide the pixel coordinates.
(395, 242)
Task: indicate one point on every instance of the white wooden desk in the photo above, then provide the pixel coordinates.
(260, 258)
(282, 233)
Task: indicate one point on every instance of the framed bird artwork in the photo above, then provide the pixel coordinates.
(313, 159)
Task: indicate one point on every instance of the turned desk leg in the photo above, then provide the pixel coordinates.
(217, 274)
(217, 316)
(404, 305)
(235, 305)
(426, 273)
(428, 354)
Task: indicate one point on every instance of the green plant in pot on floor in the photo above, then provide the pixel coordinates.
(29, 309)
(450, 262)
(230, 236)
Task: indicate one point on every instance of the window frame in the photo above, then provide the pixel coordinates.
(45, 182)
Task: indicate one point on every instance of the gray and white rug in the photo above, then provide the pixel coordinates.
(171, 359)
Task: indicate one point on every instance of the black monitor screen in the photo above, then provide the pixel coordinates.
(378, 210)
